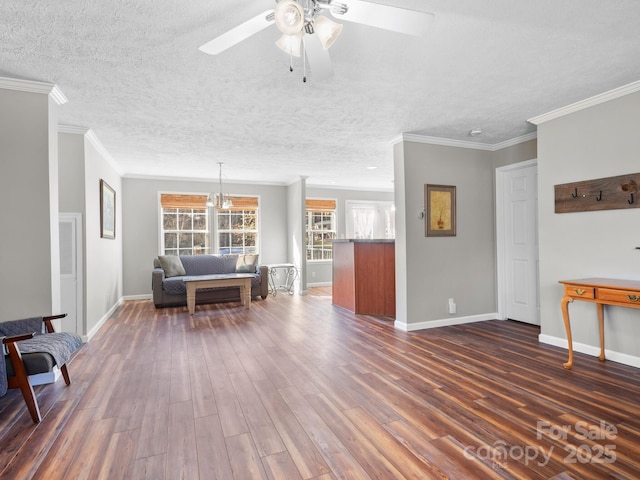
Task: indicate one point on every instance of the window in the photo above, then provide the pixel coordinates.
(238, 226)
(370, 220)
(190, 228)
(321, 229)
(185, 225)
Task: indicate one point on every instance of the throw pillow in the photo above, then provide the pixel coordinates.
(172, 266)
(246, 263)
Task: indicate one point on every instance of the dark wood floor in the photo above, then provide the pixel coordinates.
(295, 388)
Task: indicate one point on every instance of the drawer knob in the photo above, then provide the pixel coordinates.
(579, 291)
(634, 298)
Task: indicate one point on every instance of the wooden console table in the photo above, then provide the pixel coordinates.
(601, 291)
(242, 280)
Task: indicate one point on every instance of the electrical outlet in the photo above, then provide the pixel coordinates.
(313, 274)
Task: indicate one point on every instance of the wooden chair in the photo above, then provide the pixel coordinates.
(41, 352)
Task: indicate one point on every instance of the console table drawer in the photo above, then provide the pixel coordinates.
(621, 296)
(579, 291)
(601, 291)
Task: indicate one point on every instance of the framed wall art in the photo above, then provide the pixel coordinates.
(440, 207)
(107, 211)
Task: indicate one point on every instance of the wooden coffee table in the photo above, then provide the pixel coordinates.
(242, 280)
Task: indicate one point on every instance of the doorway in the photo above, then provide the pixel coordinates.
(517, 242)
(71, 284)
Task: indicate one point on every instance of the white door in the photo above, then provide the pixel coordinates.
(518, 187)
(71, 272)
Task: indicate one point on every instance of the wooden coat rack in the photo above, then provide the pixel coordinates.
(609, 193)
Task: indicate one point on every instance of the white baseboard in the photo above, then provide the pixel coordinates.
(46, 377)
(445, 322)
(146, 296)
(592, 350)
(104, 318)
(319, 284)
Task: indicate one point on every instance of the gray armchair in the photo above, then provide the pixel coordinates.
(29, 351)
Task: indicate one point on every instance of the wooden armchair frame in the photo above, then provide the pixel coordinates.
(20, 379)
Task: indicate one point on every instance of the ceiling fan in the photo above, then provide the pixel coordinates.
(306, 28)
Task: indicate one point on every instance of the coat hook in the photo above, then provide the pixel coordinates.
(599, 197)
(575, 193)
(631, 199)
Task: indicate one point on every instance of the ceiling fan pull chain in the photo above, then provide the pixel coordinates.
(304, 60)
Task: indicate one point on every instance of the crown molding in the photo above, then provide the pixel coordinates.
(32, 86)
(515, 141)
(97, 144)
(57, 96)
(587, 103)
(160, 178)
(447, 142)
(72, 129)
(91, 137)
(354, 189)
(164, 178)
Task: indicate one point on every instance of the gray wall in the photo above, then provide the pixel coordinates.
(600, 141)
(516, 153)
(71, 174)
(430, 270)
(141, 226)
(439, 268)
(103, 257)
(82, 165)
(29, 244)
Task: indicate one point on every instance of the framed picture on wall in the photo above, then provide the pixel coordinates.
(440, 207)
(107, 211)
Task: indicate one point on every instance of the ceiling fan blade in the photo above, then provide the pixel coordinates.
(238, 34)
(411, 22)
(318, 58)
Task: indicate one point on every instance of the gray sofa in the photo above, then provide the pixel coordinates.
(169, 288)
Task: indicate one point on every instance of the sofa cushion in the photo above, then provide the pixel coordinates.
(172, 266)
(209, 264)
(246, 263)
(34, 363)
(174, 286)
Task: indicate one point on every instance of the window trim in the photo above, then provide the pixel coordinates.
(212, 219)
(217, 230)
(191, 201)
(320, 205)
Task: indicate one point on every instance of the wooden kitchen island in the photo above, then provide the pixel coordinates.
(364, 276)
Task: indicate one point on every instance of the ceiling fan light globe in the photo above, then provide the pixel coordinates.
(289, 17)
(327, 30)
(290, 44)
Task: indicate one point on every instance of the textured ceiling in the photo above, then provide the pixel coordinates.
(133, 73)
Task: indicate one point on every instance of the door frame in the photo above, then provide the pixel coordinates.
(76, 218)
(501, 226)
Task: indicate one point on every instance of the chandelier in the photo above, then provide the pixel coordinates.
(219, 200)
